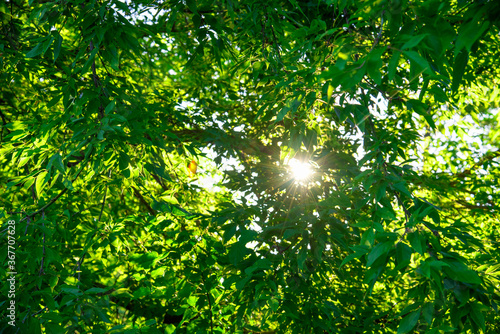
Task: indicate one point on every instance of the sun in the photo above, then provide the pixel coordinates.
(301, 170)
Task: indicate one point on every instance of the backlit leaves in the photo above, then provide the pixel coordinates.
(392, 104)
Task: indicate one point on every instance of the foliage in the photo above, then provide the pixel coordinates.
(395, 104)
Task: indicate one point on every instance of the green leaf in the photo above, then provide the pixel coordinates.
(428, 312)
(241, 283)
(408, 322)
(57, 162)
(477, 316)
(359, 252)
(290, 233)
(198, 51)
(90, 60)
(41, 180)
(401, 187)
(192, 6)
(403, 255)
(416, 58)
(237, 252)
(54, 328)
(260, 264)
(460, 272)
(53, 282)
(57, 47)
(377, 251)
(386, 213)
(274, 304)
(230, 231)
(416, 242)
(329, 92)
(94, 290)
(414, 41)
(110, 107)
(282, 113)
(469, 34)
(301, 257)
(54, 101)
(37, 50)
(100, 135)
(459, 66)
(68, 184)
(393, 63)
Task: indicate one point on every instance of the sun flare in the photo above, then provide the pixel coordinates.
(301, 170)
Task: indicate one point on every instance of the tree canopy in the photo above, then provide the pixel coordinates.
(146, 153)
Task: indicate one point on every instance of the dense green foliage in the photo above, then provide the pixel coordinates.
(395, 105)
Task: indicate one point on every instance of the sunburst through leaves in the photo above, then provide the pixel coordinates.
(301, 170)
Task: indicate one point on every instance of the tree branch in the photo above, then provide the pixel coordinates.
(487, 157)
(143, 201)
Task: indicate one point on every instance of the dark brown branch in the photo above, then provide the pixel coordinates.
(475, 206)
(94, 73)
(407, 213)
(276, 46)
(52, 201)
(487, 157)
(79, 266)
(143, 201)
(159, 181)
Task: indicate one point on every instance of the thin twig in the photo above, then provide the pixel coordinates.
(377, 39)
(103, 201)
(49, 203)
(143, 201)
(407, 213)
(264, 39)
(28, 221)
(94, 73)
(276, 46)
(173, 168)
